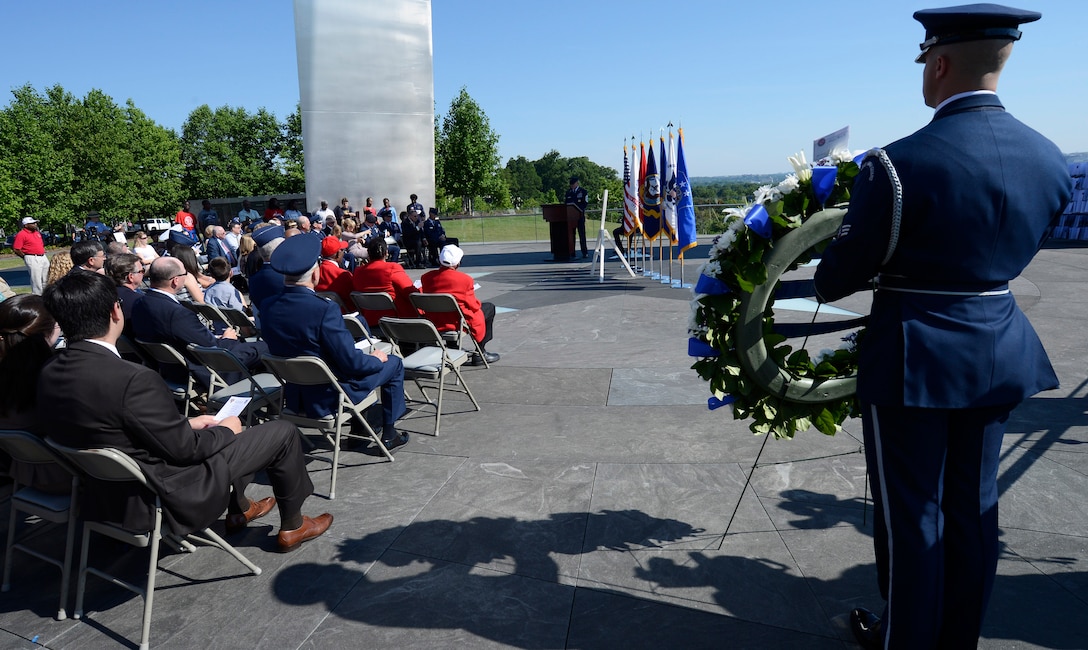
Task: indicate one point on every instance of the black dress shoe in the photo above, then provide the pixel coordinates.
(396, 441)
(491, 357)
(867, 628)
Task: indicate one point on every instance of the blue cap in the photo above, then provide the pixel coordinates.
(262, 236)
(180, 237)
(977, 22)
(296, 255)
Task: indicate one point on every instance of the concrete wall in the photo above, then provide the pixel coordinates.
(366, 84)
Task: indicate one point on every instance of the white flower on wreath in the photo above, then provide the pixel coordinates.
(711, 268)
(789, 185)
(840, 156)
(695, 328)
(801, 166)
(766, 194)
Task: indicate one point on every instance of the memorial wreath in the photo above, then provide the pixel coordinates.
(747, 364)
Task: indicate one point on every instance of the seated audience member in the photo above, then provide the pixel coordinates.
(88, 256)
(115, 247)
(233, 237)
(373, 232)
(412, 238)
(380, 275)
(144, 249)
(345, 211)
(216, 245)
(160, 318)
(334, 277)
(223, 293)
(392, 231)
(27, 336)
(265, 281)
(89, 397)
(435, 235)
(479, 315)
(127, 272)
(60, 265)
(249, 261)
(192, 288)
(298, 322)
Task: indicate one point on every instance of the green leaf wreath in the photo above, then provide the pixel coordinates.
(735, 267)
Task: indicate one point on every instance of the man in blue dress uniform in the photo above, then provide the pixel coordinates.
(947, 354)
(298, 322)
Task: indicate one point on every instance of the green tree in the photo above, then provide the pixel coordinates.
(468, 150)
(156, 175)
(230, 152)
(523, 181)
(293, 162)
(36, 173)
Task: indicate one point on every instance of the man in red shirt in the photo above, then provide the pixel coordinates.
(29, 246)
(447, 279)
(186, 220)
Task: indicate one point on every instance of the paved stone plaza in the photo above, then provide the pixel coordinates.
(595, 502)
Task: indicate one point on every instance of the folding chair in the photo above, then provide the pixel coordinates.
(263, 389)
(432, 361)
(165, 355)
(335, 297)
(446, 303)
(312, 371)
(239, 321)
(130, 351)
(378, 301)
(115, 465)
(360, 333)
(55, 508)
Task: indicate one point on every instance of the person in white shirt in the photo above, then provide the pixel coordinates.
(143, 248)
(247, 214)
(234, 237)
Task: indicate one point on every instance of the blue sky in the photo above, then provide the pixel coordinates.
(751, 83)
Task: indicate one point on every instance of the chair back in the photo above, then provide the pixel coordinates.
(26, 447)
(373, 301)
(236, 318)
(302, 371)
(437, 303)
(334, 297)
(217, 360)
(414, 331)
(163, 354)
(105, 464)
(356, 327)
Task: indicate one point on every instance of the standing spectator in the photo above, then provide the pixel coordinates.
(479, 315)
(187, 221)
(345, 211)
(208, 216)
(577, 196)
(387, 209)
(947, 353)
(415, 207)
(247, 215)
(369, 207)
(321, 216)
(273, 211)
(88, 256)
(292, 212)
(28, 245)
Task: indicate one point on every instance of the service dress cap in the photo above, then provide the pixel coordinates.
(296, 255)
(975, 22)
(262, 236)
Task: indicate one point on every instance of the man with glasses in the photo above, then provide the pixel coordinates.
(88, 256)
(160, 318)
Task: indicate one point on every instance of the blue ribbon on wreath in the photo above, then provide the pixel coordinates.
(758, 221)
(714, 403)
(710, 286)
(823, 182)
(697, 348)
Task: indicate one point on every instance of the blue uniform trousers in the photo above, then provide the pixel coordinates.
(934, 482)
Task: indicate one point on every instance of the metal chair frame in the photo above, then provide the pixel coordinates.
(446, 303)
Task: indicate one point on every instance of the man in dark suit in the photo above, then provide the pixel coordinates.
(88, 397)
(127, 272)
(216, 246)
(298, 322)
(160, 318)
(947, 353)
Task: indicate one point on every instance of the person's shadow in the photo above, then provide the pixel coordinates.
(498, 578)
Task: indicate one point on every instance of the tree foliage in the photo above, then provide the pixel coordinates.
(231, 152)
(469, 151)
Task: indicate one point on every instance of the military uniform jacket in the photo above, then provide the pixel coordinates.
(979, 191)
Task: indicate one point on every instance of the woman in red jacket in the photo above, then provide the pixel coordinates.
(381, 275)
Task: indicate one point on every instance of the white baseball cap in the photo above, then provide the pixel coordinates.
(27, 220)
(450, 255)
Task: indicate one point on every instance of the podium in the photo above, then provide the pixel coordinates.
(562, 220)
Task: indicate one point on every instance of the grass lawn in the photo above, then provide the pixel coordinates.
(517, 228)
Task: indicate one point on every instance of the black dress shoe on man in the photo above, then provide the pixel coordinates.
(491, 357)
(867, 628)
(396, 441)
